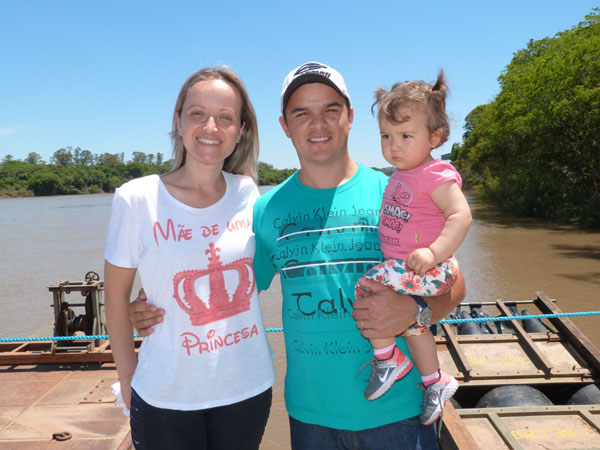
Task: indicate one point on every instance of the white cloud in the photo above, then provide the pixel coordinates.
(7, 131)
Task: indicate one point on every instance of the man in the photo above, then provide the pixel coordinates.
(318, 229)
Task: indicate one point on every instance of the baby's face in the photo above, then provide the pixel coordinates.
(408, 144)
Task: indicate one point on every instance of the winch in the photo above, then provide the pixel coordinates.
(68, 323)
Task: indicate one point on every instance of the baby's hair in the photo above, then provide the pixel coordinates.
(416, 94)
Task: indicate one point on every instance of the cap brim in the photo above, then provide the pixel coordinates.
(306, 79)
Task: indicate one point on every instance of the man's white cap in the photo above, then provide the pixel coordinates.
(312, 72)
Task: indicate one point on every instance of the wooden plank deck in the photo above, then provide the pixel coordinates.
(37, 401)
(42, 393)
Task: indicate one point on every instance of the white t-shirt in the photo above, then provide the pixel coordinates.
(196, 263)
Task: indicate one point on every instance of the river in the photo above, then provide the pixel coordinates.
(47, 239)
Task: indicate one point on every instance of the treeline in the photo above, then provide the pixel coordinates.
(76, 171)
(534, 150)
(270, 176)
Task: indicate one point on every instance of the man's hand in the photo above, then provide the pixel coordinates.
(387, 313)
(383, 313)
(144, 315)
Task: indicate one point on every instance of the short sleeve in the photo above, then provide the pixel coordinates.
(441, 173)
(264, 268)
(254, 194)
(123, 246)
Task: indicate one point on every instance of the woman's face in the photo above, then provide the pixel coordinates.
(210, 122)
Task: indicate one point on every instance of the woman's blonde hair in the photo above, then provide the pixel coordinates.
(244, 159)
(416, 94)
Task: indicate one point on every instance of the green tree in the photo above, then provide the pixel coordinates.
(46, 183)
(62, 157)
(534, 149)
(34, 158)
(14, 175)
(109, 158)
(82, 157)
(86, 158)
(76, 156)
(269, 175)
(139, 157)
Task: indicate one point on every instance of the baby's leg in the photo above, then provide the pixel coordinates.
(379, 344)
(439, 386)
(382, 347)
(389, 363)
(423, 351)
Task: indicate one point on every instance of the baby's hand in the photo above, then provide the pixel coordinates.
(421, 260)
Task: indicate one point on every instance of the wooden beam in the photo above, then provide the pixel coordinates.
(461, 360)
(101, 354)
(571, 333)
(456, 435)
(537, 357)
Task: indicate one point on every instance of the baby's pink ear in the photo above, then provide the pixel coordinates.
(436, 138)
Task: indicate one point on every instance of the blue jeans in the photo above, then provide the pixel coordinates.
(407, 434)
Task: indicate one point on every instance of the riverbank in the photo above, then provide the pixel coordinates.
(71, 175)
(27, 193)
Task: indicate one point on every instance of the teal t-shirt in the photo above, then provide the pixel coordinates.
(321, 241)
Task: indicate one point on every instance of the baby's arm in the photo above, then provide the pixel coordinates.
(450, 199)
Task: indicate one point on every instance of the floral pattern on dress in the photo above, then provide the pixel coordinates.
(394, 274)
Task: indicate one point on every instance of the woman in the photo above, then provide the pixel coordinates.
(204, 377)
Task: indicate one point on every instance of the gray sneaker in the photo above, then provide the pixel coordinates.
(435, 396)
(385, 373)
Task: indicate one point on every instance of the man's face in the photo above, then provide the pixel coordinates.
(318, 123)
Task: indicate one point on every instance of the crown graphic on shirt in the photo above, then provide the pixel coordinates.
(220, 305)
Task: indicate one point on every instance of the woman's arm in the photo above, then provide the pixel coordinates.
(118, 282)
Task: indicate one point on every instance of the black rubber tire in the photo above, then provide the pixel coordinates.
(533, 325)
(516, 395)
(455, 403)
(587, 395)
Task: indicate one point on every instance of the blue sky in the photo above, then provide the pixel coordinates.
(103, 75)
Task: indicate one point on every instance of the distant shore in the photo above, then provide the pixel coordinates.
(31, 194)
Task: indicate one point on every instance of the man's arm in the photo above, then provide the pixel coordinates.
(387, 313)
(143, 315)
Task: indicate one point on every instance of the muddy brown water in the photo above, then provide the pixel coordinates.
(44, 240)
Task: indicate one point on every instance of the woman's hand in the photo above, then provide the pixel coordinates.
(126, 394)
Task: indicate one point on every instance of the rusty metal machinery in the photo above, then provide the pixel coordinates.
(67, 322)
